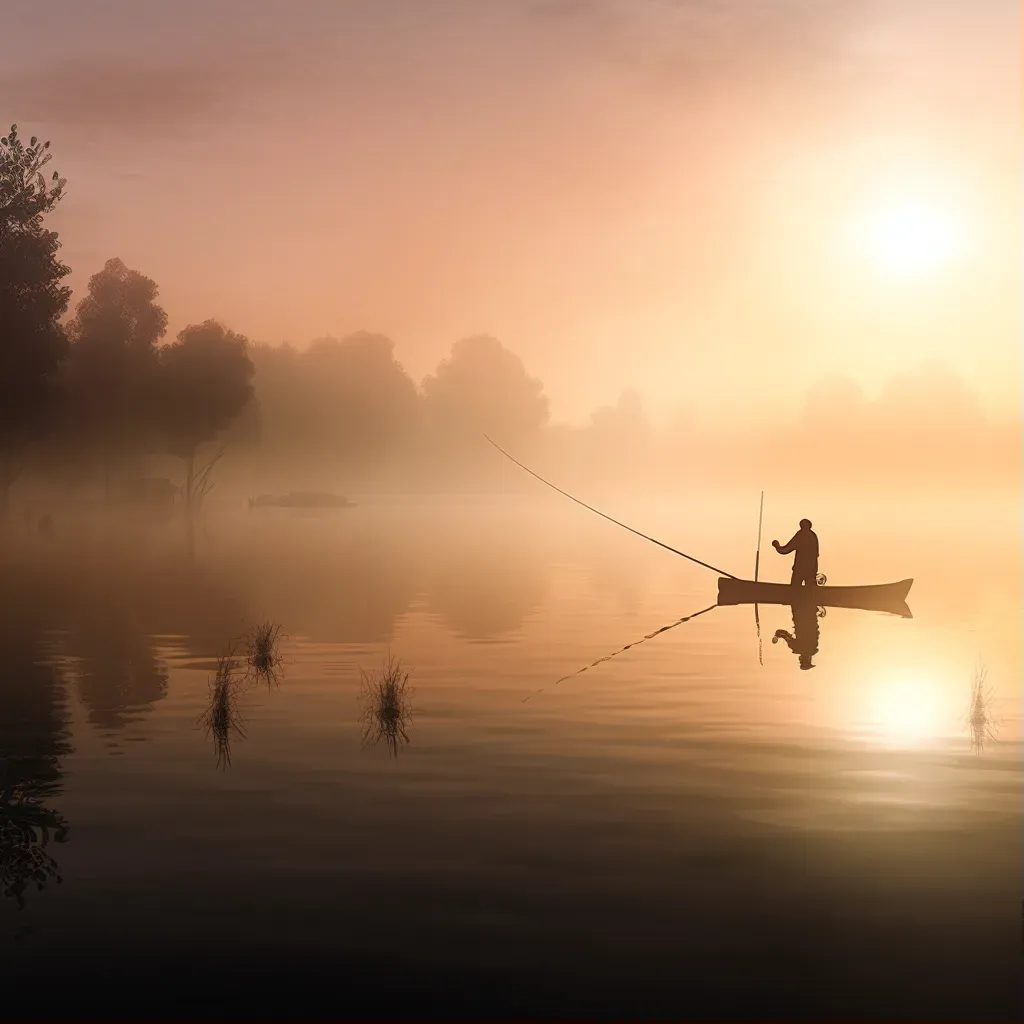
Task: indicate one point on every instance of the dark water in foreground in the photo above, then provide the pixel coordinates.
(676, 832)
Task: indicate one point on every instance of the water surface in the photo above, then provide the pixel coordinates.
(679, 830)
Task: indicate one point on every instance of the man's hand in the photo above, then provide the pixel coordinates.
(775, 544)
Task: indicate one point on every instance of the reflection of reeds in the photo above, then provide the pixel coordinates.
(980, 717)
(262, 662)
(263, 656)
(387, 710)
(221, 717)
(25, 827)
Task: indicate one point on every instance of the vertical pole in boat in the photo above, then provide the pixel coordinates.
(757, 566)
(760, 519)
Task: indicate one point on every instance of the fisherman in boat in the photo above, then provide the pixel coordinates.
(805, 544)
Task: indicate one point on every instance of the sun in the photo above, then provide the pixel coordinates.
(911, 237)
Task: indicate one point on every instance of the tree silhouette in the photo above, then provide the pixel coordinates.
(205, 383)
(618, 432)
(347, 402)
(619, 439)
(32, 299)
(483, 386)
(365, 401)
(284, 421)
(113, 361)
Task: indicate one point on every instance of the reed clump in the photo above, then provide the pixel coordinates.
(221, 718)
(980, 717)
(386, 698)
(263, 650)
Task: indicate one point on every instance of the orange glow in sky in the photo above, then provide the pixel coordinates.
(654, 195)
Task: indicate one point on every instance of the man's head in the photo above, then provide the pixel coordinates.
(805, 524)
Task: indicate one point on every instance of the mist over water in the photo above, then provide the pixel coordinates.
(624, 841)
(317, 700)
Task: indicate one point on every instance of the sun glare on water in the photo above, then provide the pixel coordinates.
(911, 237)
(905, 711)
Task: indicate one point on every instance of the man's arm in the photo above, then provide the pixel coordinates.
(791, 546)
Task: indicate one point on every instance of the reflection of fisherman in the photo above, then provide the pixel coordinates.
(805, 544)
(803, 641)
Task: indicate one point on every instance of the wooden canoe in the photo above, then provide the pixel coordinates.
(881, 597)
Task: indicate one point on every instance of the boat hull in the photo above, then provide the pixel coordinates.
(882, 597)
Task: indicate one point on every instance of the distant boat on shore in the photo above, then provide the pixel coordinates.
(301, 499)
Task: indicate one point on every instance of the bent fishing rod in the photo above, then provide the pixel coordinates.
(591, 508)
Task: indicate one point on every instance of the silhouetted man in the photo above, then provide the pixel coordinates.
(805, 544)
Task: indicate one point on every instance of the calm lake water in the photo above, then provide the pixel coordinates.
(677, 831)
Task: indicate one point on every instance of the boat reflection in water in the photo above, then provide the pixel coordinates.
(808, 604)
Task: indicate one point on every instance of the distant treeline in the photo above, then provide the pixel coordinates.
(88, 401)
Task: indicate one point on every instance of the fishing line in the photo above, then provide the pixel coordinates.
(653, 540)
(608, 657)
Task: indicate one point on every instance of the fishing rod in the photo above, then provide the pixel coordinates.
(653, 540)
(608, 657)
(760, 519)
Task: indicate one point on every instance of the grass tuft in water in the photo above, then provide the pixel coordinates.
(386, 700)
(980, 717)
(221, 717)
(263, 656)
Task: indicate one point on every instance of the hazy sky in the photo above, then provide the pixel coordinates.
(702, 199)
